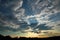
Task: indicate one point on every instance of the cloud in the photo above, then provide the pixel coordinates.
(54, 25)
(19, 14)
(29, 29)
(8, 10)
(12, 25)
(46, 14)
(18, 5)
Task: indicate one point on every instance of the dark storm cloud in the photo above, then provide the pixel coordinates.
(7, 17)
(7, 12)
(8, 21)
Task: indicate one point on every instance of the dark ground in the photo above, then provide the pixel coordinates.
(23, 38)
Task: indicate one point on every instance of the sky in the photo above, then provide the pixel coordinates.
(29, 17)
